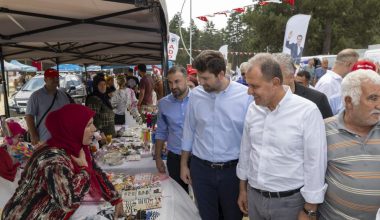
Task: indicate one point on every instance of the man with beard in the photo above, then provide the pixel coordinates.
(353, 138)
(212, 132)
(170, 123)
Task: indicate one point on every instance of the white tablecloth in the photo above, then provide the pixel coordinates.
(145, 165)
(176, 203)
(7, 188)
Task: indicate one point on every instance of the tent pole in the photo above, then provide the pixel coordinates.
(86, 79)
(6, 106)
(57, 63)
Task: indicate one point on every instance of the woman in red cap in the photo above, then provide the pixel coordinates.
(62, 172)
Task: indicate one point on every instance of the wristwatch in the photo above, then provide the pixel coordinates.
(310, 213)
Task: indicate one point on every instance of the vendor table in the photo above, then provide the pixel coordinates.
(176, 204)
(145, 165)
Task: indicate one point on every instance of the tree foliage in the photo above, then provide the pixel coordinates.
(334, 25)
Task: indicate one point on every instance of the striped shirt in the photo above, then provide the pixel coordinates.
(353, 172)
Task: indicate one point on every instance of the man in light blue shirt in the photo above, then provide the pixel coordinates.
(170, 123)
(212, 132)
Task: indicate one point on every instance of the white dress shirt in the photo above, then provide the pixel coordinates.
(330, 85)
(285, 149)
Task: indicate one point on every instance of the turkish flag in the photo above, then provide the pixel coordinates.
(239, 10)
(203, 18)
(290, 2)
(37, 64)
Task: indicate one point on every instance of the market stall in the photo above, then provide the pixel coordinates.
(173, 201)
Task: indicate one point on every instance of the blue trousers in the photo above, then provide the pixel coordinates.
(216, 191)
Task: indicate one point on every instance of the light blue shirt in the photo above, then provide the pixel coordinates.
(171, 116)
(214, 122)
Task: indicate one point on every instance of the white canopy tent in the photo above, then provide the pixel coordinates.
(101, 32)
(11, 67)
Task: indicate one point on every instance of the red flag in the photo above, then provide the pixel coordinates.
(290, 2)
(37, 64)
(239, 10)
(203, 18)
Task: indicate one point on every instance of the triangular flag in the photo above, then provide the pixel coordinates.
(203, 18)
(263, 3)
(290, 2)
(239, 10)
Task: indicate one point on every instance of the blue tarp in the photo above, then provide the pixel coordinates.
(69, 68)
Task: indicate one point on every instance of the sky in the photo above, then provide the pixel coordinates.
(204, 7)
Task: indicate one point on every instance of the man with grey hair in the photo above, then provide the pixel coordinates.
(330, 82)
(281, 173)
(287, 69)
(353, 136)
(243, 71)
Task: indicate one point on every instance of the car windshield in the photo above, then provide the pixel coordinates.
(34, 84)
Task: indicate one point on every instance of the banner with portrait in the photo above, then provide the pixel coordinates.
(295, 36)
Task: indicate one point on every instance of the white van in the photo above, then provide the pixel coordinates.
(373, 55)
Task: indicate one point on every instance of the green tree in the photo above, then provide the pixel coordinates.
(334, 25)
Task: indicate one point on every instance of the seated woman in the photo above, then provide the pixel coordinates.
(13, 153)
(61, 173)
(124, 98)
(99, 101)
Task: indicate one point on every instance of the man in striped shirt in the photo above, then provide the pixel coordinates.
(353, 139)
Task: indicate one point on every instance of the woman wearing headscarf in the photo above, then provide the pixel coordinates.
(99, 102)
(13, 153)
(60, 173)
(124, 98)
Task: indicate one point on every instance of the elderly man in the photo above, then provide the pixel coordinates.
(329, 84)
(212, 133)
(282, 160)
(170, 121)
(243, 70)
(287, 69)
(353, 151)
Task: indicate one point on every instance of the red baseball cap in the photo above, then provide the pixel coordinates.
(51, 73)
(364, 65)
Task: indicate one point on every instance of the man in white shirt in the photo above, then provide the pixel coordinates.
(330, 82)
(283, 149)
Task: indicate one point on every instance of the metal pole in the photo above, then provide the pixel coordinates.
(191, 30)
(6, 106)
(57, 63)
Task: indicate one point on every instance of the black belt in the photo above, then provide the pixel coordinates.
(218, 165)
(277, 194)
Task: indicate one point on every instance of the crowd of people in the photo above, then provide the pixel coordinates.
(263, 148)
(280, 143)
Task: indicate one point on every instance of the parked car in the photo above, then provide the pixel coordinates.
(373, 55)
(67, 82)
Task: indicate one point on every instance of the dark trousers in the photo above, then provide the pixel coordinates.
(215, 189)
(119, 119)
(174, 167)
